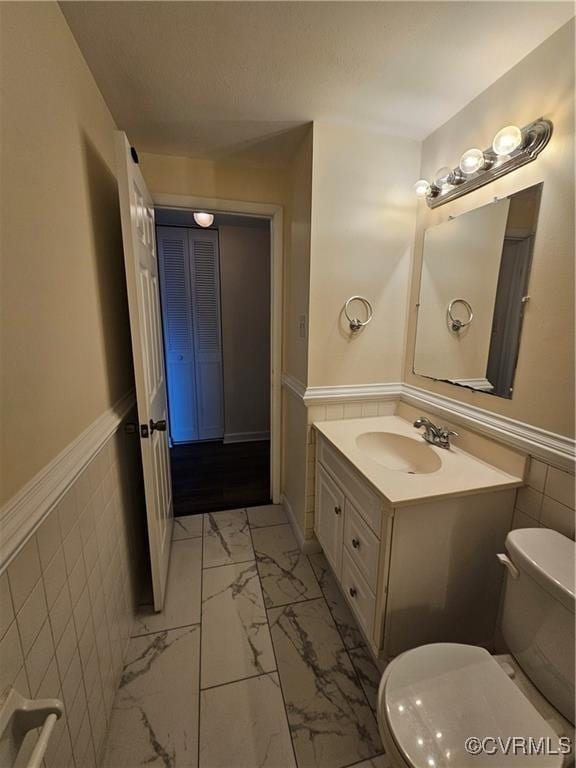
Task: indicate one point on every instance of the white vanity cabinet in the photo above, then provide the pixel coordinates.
(419, 573)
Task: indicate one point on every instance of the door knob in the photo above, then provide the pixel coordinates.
(355, 543)
(159, 426)
(337, 510)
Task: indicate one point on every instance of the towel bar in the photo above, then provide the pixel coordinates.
(18, 716)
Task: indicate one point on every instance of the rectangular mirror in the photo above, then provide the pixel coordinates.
(473, 287)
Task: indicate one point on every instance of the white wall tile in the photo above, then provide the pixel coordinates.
(316, 413)
(61, 614)
(67, 510)
(6, 607)
(54, 577)
(522, 520)
(32, 616)
(352, 410)
(72, 549)
(369, 409)
(558, 516)
(529, 501)
(387, 408)
(23, 573)
(334, 412)
(11, 658)
(537, 471)
(49, 539)
(39, 658)
(560, 486)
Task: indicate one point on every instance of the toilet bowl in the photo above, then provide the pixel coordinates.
(448, 705)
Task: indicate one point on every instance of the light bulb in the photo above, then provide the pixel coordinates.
(203, 219)
(471, 161)
(507, 140)
(422, 187)
(443, 177)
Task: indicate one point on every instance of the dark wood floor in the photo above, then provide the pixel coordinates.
(210, 476)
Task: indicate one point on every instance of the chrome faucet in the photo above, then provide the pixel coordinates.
(439, 436)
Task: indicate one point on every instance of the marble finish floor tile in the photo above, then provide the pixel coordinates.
(243, 725)
(182, 604)
(226, 538)
(235, 635)
(285, 572)
(331, 722)
(155, 716)
(339, 609)
(368, 674)
(269, 514)
(187, 527)
(375, 762)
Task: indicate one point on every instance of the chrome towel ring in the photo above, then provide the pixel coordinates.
(456, 324)
(355, 322)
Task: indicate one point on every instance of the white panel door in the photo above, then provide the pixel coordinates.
(141, 264)
(178, 332)
(205, 290)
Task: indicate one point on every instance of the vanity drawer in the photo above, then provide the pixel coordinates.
(329, 517)
(368, 503)
(358, 594)
(363, 546)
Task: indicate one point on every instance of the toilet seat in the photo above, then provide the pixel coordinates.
(431, 699)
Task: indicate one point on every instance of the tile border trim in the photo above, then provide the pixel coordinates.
(23, 514)
(557, 450)
(307, 546)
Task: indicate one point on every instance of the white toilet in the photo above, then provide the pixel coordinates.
(433, 698)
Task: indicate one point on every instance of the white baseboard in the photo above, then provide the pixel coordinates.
(21, 516)
(246, 437)
(308, 546)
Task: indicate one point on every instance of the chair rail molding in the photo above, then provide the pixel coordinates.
(293, 385)
(558, 450)
(22, 515)
(352, 392)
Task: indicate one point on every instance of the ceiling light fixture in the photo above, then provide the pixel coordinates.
(511, 148)
(203, 219)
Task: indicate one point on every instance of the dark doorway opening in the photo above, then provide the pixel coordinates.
(210, 476)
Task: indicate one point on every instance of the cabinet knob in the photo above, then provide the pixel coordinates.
(337, 510)
(353, 591)
(355, 543)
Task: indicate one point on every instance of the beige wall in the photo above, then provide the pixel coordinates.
(363, 210)
(65, 339)
(541, 84)
(172, 175)
(245, 299)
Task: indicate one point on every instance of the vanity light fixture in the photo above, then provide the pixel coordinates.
(511, 148)
(203, 219)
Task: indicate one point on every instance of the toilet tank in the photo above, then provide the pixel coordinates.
(538, 612)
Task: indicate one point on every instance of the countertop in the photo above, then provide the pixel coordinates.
(460, 473)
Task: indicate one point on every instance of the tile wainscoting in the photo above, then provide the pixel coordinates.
(68, 601)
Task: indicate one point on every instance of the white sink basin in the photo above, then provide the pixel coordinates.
(400, 453)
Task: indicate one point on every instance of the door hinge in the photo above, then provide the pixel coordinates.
(144, 430)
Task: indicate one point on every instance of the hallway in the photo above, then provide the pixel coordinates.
(255, 661)
(212, 475)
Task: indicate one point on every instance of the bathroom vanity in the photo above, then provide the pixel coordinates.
(411, 532)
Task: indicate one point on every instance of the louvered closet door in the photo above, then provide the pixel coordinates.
(178, 332)
(205, 290)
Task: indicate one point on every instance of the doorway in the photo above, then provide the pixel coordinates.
(215, 287)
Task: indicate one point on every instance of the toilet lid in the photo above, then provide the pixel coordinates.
(437, 696)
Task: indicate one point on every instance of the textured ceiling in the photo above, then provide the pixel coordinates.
(239, 79)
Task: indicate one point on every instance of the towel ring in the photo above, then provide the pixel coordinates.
(456, 324)
(355, 322)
